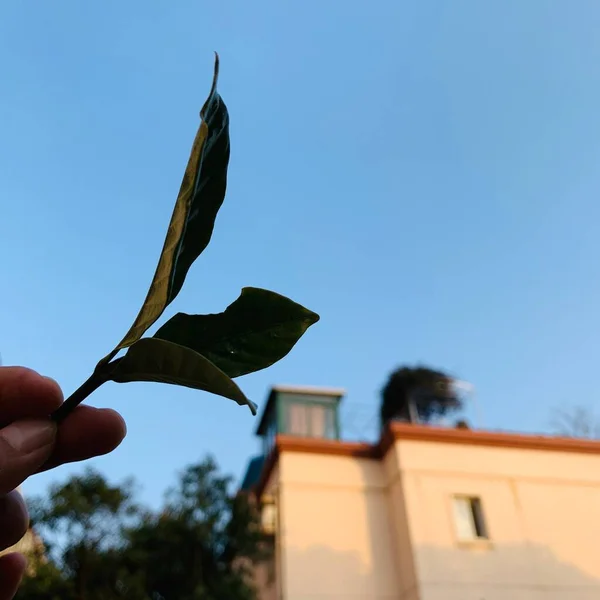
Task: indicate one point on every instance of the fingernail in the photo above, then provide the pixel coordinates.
(28, 436)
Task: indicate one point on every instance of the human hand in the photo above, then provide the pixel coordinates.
(30, 442)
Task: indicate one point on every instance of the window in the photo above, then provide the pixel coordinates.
(270, 434)
(468, 519)
(311, 420)
(297, 419)
(268, 516)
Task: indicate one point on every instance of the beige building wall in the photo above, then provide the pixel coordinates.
(268, 578)
(363, 522)
(335, 535)
(541, 509)
(399, 525)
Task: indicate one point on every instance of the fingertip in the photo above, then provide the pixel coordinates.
(25, 394)
(18, 561)
(114, 427)
(14, 519)
(30, 380)
(25, 379)
(95, 420)
(20, 378)
(12, 570)
(21, 372)
(113, 415)
(85, 433)
(54, 388)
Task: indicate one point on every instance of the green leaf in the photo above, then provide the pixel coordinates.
(151, 359)
(254, 332)
(201, 195)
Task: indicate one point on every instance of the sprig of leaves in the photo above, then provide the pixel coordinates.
(203, 352)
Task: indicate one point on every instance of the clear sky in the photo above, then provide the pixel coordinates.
(422, 174)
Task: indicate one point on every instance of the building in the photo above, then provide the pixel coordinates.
(427, 513)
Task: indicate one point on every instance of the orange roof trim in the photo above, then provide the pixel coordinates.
(422, 433)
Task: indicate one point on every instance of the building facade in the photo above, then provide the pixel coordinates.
(427, 513)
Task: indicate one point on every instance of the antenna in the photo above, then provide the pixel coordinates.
(359, 421)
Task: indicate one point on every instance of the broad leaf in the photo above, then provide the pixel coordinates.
(254, 332)
(151, 359)
(200, 351)
(201, 195)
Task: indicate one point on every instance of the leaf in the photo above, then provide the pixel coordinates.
(201, 195)
(151, 359)
(254, 332)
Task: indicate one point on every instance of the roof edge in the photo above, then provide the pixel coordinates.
(309, 389)
(421, 433)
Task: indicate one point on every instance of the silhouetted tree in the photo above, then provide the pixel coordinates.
(430, 391)
(202, 545)
(576, 422)
(81, 523)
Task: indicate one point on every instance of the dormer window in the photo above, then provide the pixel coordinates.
(295, 411)
(311, 420)
(301, 412)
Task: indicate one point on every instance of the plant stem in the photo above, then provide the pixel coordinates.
(79, 395)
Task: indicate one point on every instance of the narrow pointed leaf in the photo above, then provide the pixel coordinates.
(151, 359)
(200, 197)
(254, 332)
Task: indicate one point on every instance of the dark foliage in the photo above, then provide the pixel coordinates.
(203, 542)
(430, 390)
(81, 523)
(201, 545)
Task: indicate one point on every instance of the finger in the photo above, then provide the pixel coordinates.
(24, 394)
(85, 433)
(12, 569)
(14, 519)
(24, 447)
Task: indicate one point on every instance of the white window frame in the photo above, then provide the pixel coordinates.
(469, 519)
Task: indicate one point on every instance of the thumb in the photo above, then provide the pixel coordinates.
(24, 447)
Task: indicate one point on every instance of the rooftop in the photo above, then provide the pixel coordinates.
(424, 433)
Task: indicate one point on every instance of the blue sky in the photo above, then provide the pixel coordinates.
(422, 174)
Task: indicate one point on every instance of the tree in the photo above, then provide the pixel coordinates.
(577, 422)
(426, 393)
(81, 523)
(203, 544)
(46, 582)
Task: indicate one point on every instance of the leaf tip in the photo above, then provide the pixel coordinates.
(213, 88)
(253, 407)
(312, 318)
